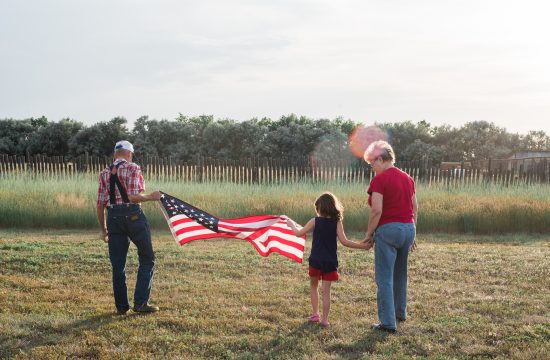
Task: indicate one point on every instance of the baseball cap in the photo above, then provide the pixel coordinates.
(126, 145)
(123, 144)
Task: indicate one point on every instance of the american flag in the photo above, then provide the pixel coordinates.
(267, 233)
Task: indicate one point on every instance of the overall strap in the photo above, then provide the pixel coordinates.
(113, 179)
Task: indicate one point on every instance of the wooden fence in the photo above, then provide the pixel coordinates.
(282, 171)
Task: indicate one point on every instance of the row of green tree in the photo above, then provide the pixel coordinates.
(290, 137)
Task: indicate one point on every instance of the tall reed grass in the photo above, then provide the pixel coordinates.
(57, 202)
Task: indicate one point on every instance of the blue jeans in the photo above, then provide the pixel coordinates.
(391, 252)
(125, 224)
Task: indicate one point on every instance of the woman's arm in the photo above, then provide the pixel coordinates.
(302, 231)
(415, 212)
(415, 209)
(375, 213)
(344, 240)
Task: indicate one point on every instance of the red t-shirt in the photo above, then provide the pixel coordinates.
(397, 189)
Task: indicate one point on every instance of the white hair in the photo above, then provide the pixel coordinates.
(380, 148)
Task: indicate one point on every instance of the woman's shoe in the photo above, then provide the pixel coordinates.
(379, 327)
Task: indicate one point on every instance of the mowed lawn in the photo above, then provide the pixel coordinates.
(469, 297)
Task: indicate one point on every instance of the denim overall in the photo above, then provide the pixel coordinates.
(126, 222)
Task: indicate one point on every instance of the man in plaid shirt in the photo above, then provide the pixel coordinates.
(121, 190)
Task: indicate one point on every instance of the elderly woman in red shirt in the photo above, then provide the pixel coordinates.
(391, 227)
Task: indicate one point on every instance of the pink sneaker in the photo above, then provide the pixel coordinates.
(313, 318)
(325, 324)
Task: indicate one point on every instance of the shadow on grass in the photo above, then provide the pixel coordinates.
(41, 334)
(364, 346)
(292, 344)
(284, 345)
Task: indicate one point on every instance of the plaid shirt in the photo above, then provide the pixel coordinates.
(130, 178)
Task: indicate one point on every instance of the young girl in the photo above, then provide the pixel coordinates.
(323, 261)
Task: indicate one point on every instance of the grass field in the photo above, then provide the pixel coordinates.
(58, 203)
(470, 297)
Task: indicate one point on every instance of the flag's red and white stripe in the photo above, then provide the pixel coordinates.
(267, 233)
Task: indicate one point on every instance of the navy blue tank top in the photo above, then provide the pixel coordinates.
(323, 250)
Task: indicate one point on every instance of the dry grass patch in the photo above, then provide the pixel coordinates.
(470, 297)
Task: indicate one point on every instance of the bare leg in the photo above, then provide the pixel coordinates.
(314, 284)
(326, 301)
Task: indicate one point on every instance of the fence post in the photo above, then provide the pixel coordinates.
(200, 169)
(489, 177)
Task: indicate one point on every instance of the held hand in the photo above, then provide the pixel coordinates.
(368, 238)
(369, 243)
(365, 245)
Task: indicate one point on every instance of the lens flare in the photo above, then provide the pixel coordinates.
(362, 136)
(331, 148)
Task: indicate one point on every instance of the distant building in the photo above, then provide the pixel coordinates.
(530, 154)
(526, 161)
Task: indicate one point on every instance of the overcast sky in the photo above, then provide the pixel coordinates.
(446, 62)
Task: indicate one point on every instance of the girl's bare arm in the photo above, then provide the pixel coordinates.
(302, 230)
(344, 240)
